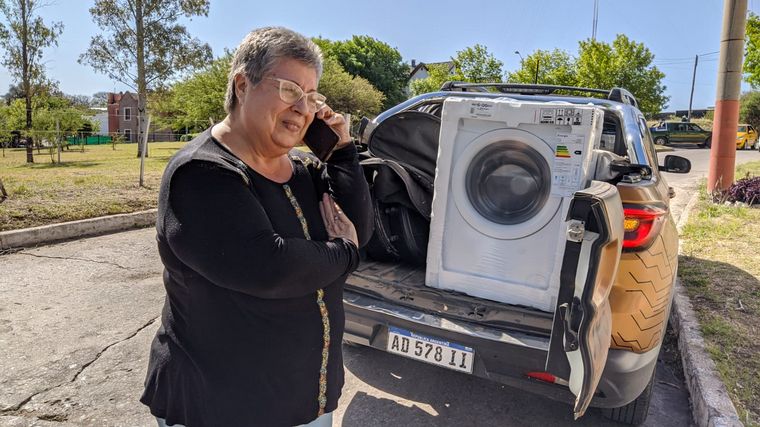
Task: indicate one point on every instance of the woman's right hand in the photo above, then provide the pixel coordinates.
(336, 222)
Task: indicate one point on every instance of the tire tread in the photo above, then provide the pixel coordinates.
(634, 413)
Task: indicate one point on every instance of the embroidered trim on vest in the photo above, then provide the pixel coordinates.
(322, 397)
(299, 212)
(307, 161)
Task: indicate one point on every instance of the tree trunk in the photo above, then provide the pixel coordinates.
(141, 84)
(26, 80)
(3, 193)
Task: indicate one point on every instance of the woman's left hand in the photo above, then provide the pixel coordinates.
(336, 222)
(337, 122)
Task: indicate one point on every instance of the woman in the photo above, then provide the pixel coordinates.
(256, 253)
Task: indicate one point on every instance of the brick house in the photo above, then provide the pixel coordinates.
(122, 119)
(122, 115)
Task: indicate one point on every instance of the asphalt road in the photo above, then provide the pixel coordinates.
(76, 320)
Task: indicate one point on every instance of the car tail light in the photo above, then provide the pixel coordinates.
(642, 225)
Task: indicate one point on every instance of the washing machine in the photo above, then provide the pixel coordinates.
(505, 175)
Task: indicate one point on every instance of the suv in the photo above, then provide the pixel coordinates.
(665, 133)
(599, 345)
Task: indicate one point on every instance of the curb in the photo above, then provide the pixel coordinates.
(76, 229)
(710, 403)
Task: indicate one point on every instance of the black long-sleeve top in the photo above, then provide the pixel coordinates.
(248, 265)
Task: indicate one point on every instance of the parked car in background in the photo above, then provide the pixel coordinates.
(613, 244)
(746, 137)
(666, 133)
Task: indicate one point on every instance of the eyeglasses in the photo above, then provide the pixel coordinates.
(291, 93)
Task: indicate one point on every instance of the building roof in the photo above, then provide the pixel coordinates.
(425, 65)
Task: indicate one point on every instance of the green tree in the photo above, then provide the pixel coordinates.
(23, 37)
(752, 51)
(190, 103)
(5, 130)
(472, 64)
(626, 64)
(749, 109)
(50, 113)
(555, 67)
(438, 74)
(475, 64)
(350, 94)
(373, 60)
(54, 118)
(142, 44)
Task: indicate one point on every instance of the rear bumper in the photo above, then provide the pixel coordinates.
(500, 355)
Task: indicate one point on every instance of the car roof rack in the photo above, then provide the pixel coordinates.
(615, 94)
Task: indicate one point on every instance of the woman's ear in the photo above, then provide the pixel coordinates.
(241, 84)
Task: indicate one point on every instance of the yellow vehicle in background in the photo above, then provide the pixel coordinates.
(746, 137)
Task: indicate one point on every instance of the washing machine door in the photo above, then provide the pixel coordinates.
(582, 321)
(501, 184)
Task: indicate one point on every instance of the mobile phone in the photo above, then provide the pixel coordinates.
(321, 139)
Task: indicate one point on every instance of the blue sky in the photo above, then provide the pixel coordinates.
(432, 31)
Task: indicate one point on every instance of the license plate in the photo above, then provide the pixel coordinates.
(431, 350)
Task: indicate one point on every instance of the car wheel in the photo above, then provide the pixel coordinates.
(636, 412)
(708, 142)
(661, 140)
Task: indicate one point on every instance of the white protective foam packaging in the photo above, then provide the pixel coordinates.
(516, 263)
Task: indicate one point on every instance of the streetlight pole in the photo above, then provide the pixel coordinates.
(596, 19)
(522, 64)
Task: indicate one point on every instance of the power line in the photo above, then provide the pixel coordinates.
(673, 59)
(685, 60)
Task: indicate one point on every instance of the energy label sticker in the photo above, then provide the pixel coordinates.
(568, 158)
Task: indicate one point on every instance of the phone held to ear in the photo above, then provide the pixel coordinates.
(321, 139)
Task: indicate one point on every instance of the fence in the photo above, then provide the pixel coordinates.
(14, 139)
(89, 140)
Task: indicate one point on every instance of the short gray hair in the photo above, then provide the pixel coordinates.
(259, 52)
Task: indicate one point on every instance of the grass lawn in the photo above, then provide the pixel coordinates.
(99, 181)
(720, 269)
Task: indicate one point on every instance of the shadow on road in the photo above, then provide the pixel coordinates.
(413, 393)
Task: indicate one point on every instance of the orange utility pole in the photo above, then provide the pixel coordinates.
(723, 151)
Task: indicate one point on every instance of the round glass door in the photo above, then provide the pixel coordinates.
(508, 182)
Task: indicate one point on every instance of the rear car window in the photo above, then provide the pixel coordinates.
(646, 139)
(612, 135)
